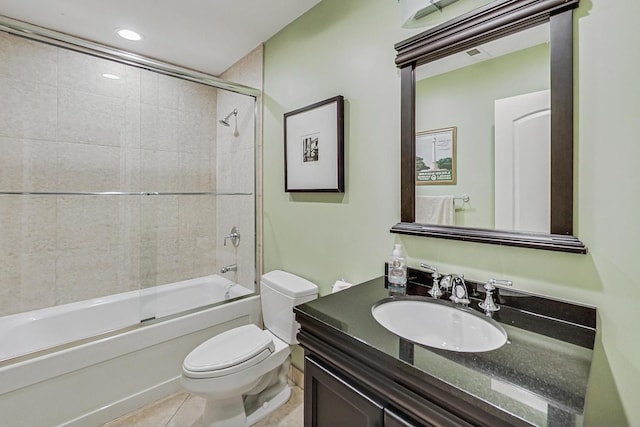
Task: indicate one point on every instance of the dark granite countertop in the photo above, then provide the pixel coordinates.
(539, 377)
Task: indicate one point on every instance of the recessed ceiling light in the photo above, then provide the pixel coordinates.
(128, 34)
(111, 76)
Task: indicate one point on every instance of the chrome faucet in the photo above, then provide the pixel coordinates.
(459, 293)
(435, 291)
(489, 304)
(234, 236)
(227, 268)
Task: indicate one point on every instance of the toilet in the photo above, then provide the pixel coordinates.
(242, 373)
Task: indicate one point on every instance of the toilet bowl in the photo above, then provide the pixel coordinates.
(242, 373)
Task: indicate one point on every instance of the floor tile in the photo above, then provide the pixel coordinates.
(183, 410)
(155, 415)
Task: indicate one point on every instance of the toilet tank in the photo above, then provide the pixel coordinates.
(280, 292)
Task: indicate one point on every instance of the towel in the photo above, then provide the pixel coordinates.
(435, 210)
(340, 285)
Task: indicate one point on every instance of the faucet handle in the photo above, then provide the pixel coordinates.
(490, 285)
(489, 304)
(234, 236)
(435, 291)
(432, 269)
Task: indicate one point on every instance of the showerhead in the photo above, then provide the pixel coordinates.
(225, 121)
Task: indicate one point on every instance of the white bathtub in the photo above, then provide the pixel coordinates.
(89, 362)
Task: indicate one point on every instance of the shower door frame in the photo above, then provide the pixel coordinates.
(58, 39)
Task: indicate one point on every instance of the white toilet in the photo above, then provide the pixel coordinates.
(242, 373)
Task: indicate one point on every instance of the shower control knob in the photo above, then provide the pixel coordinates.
(234, 236)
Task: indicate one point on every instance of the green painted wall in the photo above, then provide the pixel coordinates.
(346, 47)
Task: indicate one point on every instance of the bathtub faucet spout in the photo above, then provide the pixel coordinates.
(227, 268)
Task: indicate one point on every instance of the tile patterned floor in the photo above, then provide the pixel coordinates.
(182, 410)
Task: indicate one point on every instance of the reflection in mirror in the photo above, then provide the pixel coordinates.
(483, 162)
(496, 97)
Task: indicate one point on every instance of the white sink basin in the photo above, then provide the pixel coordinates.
(439, 324)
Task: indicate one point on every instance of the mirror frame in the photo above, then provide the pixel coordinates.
(490, 22)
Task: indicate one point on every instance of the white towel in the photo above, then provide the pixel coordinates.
(435, 210)
(340, 285)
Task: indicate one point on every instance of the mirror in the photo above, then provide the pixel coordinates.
(463, 84)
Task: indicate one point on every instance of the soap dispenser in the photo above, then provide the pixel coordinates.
(397, 272)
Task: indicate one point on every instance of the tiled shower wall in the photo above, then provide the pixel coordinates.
(66, 128)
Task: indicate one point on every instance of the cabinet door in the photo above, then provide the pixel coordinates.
(331, 401)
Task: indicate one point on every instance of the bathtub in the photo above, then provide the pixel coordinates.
(89, 362)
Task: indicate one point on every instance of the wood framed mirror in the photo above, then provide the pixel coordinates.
(487, 24)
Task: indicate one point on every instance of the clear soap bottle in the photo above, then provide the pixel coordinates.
(397, 272)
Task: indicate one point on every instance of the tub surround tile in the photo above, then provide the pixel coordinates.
(33, 111)
(195, 173)
(88, 168)
(196, 213)
(197, 97)
(198, 255)
(28, 60)
(160, 217)
(159, 128)
(168, 89)
(196, 132)
(213, 179)
(37, 281)
(160, 262)
(133, 125)
(88, 118)
(10, 291)
(149, 87)
(87, 273)
(235, 172)
(160, 171)
(88, 222)
(28, 225)
(130, 175)
(25, 165)
(84, 73)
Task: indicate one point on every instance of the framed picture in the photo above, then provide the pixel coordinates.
(436, 157)
(313, 147)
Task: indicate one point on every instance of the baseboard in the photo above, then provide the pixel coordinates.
(127, 405)
(296, 376)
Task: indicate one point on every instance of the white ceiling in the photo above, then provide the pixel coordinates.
(493, 49)
(205, 35)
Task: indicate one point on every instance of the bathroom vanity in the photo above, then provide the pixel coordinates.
(357, 373)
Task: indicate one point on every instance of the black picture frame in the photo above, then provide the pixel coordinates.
(314, 147)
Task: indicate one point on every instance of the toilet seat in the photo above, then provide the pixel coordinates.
(229, 352)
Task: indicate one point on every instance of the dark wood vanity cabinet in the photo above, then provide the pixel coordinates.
(333, 400)
(361, 397)
(359, 374)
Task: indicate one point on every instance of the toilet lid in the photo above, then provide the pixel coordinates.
(229, 352)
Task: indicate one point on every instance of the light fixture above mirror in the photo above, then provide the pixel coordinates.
(491, 23)
(422, 13)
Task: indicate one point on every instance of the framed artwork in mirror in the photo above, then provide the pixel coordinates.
(436, 157)
(314, 146)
